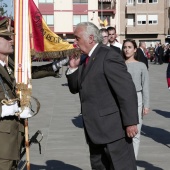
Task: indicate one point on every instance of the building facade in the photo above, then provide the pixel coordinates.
(142, 20)
(63, 15)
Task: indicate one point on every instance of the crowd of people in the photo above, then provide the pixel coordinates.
(158, 54)
(113, 84)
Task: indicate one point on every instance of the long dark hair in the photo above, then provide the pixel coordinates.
(134, 45)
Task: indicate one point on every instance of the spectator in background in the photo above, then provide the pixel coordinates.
(168, 75)
(166, 53)
(161, 53)
(151, 51)
(156, 53)
(104, 34)
(141, 56)
(112, 37)
(140, 78)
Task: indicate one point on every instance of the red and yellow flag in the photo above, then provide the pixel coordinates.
(100, 21)
(105, 22)
(44, 40)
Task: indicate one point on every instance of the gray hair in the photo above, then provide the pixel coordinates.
(91, 29)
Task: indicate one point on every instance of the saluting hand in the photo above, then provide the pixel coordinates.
(131, 131)
(74, 61)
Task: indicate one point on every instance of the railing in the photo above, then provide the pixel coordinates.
(106, 6)
(131, 4)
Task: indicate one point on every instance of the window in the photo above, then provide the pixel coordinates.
(130, 20)
(49, 19)
(141, 19)
(130, 2)
(46, 1)
(152, 19)
(80, 1)
(141, 1)
(153, 1)
(79, 18)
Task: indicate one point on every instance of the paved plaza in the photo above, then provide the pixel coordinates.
(59, 119)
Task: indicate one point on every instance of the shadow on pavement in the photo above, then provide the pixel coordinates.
(64, 84)
(157, 134)
(77, 121)
(54, 165)
(162, 113)
(147, 166)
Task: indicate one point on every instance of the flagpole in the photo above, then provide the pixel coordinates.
(102, 10)
(22, 62)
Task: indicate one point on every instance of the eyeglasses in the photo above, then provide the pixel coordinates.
(111, 34)
(105, 36)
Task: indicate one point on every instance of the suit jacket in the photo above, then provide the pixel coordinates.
(11, 128)
(117, 49)
(141, 57)
(107, 93)
(160, 51)
(168, 75)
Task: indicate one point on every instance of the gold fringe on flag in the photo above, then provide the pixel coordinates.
(56, 54)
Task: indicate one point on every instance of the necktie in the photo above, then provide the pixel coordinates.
(87, 60)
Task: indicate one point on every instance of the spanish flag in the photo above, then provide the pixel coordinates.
(44, 40)
(105, 22)
(100, 21)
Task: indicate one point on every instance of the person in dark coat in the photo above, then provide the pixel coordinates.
(168, 75)
(166, 53)
(108, 101)
(141, 53)
(160, 53)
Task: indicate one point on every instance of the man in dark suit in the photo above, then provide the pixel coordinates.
(141, 53)
(108, 101)
(161, 53)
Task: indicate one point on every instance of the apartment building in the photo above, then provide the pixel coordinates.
(142, 20)
(62, 15)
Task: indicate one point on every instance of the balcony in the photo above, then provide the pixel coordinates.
(143, 29)
(107, 6)
(142, 8)
(131, 8)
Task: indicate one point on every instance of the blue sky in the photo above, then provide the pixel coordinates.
(9, 9)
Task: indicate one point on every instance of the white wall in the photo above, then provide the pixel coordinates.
(63, 4)
(63, 22)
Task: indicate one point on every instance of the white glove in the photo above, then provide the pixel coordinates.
(169, 88)
(25, 113)
(9, 110)
(59, 63)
